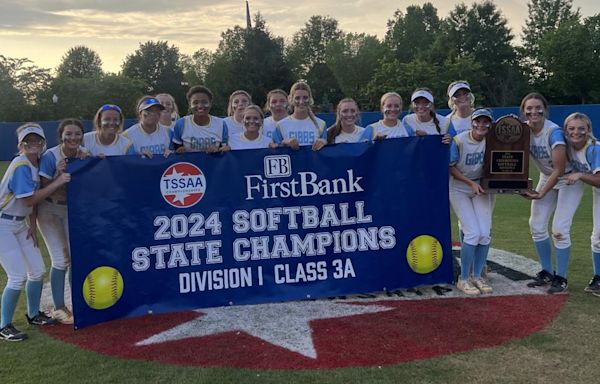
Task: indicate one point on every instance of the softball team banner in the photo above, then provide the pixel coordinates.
(197, 230)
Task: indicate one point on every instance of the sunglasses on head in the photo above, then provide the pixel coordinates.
(110, 107)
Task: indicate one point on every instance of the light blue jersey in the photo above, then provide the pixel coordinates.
(48, 170)
(428, 127)
(233, 127)
(20, 180)
(196, 138)
(458, 124)
(156, 142)
(305, 131)
(358, 135)
(399, 130)
(587, 159)
(466, 154)
(120, 146)
(542, 144)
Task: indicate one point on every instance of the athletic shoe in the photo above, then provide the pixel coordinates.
(593, 286)
(467, 287)
(482, 285)
(541, 279)
(63, 315)
(10, 333)
(40, 319)
(559, 284)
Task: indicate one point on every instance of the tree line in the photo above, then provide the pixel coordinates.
(558, 56)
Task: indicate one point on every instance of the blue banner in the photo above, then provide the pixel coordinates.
(198, 230)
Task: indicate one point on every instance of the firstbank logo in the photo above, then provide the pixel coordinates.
(278, 166)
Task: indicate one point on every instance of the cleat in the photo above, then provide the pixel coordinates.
(593, 286)
(63, 315)
(10, 333)
(541, 279)
(559, 284)
(467, 288)
(40, 319)
(482, 285)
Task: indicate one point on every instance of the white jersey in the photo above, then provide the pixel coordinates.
(459, 124)
(120, 146)
(169, 126)
(48, 169)
(240, 141)
(156, 142)
(358, 135)
(195, 138)
(466, 154)
(233, 127)
(587, 159)
(398, 130)
(428, 127)
(269, 126)
(305, 131)
(21, 179)
(542, 144)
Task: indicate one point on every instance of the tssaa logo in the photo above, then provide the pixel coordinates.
(182, 185)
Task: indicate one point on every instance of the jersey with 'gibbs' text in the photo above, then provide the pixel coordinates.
(542, 144)
(587, 159)
(196, 138)
(305, 131)
(156, 142)
(466, 154)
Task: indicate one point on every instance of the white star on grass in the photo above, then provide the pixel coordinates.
(286, 325)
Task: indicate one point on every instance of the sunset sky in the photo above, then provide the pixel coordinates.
(43, 30)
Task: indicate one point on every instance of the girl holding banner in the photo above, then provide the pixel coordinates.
(252, 137)
(390, 126)
(148, 136)
(20, 256)
(106, 138)
(276, 105)
(238, 101)
(345, 130)
(425, 121)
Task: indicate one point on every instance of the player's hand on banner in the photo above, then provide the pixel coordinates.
(318, 144)
(224, 148)
(446, 139)
(82, 153)
(167, 153)
(147, 153)
(61, 166)
(420, 132)
(180, 150)
(101, 156)
(380, 136)
(273, 145)
(292, 143)
(63, 178)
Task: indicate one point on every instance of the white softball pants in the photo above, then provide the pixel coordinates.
(19, 258)
(563, 200)
(54, 225)
(596, 230)
(474, 213)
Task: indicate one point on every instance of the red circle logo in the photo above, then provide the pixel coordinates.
(183, 185)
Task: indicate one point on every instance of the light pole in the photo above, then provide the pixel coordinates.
(54, 102)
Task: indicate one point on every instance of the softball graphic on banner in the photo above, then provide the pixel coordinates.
(424, 254)
(103, 287)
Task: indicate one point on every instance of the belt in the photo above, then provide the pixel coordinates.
(11, 217)
(54, 201)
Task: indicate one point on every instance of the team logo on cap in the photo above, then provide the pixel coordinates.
(183, 185)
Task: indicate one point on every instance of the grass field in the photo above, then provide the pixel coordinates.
(562, 353)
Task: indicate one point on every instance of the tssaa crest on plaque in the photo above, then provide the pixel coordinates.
(506, 161)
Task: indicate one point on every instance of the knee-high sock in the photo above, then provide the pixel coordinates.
(33, 290)
(562, 261)
(481, 253)
(544, 251)
(10, 297)
(596, 260)
(467, 256)
(57, 284)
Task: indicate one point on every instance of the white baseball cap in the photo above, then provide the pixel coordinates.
(421, 93)
(482, 112)
(458, 85)
(30, 129)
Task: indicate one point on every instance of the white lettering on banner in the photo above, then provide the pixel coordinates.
(216, 279)
(308, 185)
(167, 256)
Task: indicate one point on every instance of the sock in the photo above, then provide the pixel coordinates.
(57, 284)
(33, 290)
(596, 259)
(544, 251)
(562, 261)
(467, 255)
(481, 253)
(10, 297)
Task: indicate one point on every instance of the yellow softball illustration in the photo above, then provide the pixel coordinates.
(424, 254)
(103, 287)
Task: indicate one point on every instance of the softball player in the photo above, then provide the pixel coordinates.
(170, 114)
(276, 105)
(584, 156)
(106, 138)
(302, 127)
(199, 131)
(19, 255)
(391, 126)
(345, 130)
(238, 101)
(461, 102)
(472, 205)
(252, 137)
(52, 212)
(553, 194)
(148, 136)
(424, 121)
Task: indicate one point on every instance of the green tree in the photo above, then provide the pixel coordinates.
(308, 45)
(158, 65)
(195, 67)
(80, 62)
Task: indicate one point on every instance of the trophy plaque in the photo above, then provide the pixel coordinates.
(506, 160)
